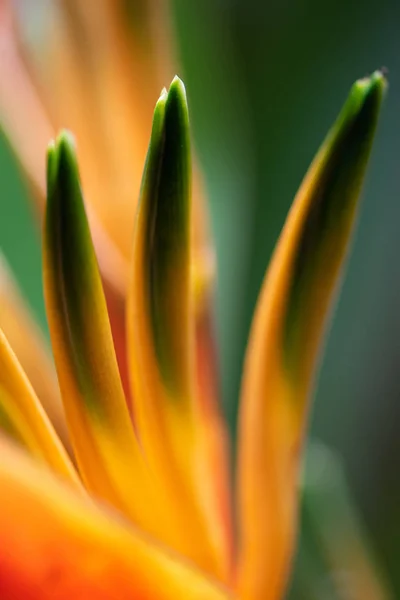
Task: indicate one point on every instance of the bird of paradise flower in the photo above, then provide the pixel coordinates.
(138, 517)
(178, 457)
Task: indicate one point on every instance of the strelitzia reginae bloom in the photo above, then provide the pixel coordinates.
(145, 510)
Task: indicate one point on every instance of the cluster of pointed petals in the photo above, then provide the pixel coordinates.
(135, 502)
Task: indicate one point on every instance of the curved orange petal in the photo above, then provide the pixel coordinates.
(287, 330)
(160, 328)
(108, 454)
(21, 408)
(29, 345)
(56, 545)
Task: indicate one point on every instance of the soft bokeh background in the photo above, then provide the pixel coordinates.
(265, 80)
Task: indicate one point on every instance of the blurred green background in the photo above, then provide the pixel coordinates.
(265, 81)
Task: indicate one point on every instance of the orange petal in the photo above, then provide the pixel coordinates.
(55, 545)
(107, 452)
(27, 342)
(160, 328)
(23, 411)
(285, 339)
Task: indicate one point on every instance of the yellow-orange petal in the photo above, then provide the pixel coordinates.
(285, 338)
(56, 545)
(27, 342)
(13, 423)
(161, 329)
(109, 457)
(23, 412)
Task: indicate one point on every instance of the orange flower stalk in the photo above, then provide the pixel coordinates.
(141, 515)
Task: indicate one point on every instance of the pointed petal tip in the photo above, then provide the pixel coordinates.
(164, 94)
(170, 100)
(376, 81)
(380, 75)
(65, 139)
(162, 98)
(61, 159)
(158, 118)
(378, 84)
(66, 148)
(177, 82)
(177, 91)
(369, 89)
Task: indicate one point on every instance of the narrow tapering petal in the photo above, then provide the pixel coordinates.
(162, 249)
(22, 416)
(30, 347)
(161, 328)
(285, 338)
(105, 445)
(55, 544)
